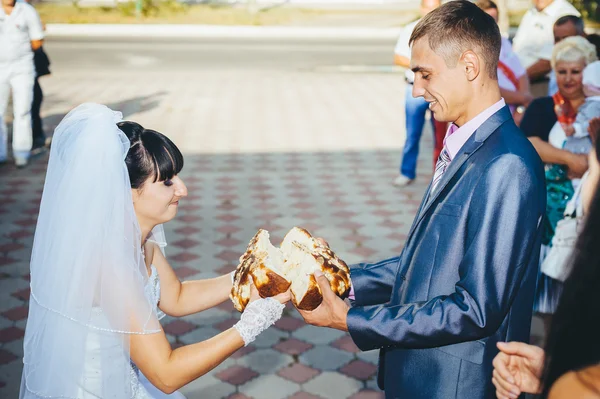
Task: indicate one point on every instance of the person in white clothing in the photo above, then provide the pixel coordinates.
(534, 39)
(21, 33)
(415, 108)
(512, 77)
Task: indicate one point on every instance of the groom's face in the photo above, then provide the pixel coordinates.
(443, 87)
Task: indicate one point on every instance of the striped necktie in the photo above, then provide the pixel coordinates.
(440, 167)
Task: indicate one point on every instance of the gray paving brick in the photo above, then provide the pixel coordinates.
(266, 361)
(372, 383)
(11, 373)
(369, 356)
(332, 385)
(14, 347)
(207, 386)
(209, 317)
(171, 338)
(224, 365)
(269, 387)
(5, 323)
(270, 337)
(325, 358)
(200, 334)
(21, 324)
(382, 244)
(317, 335)
(18, 269)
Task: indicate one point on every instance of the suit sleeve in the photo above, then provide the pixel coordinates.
(373, 282)
(502, 231)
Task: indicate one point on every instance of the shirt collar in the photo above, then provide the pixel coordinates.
(456, 136)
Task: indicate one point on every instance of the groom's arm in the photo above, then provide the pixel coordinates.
(372, 283)
(506, 228)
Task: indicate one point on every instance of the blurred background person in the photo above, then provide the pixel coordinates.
(591, 107)
(567, 26)
(414, 108)
(534, 39)
(512, 77)
(21, 34)
(42, 68)
(569, 367)
(544, 123)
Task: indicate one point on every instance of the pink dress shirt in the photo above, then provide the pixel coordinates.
(456, 137)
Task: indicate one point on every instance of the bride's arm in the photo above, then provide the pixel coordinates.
(180, 299)
(168, 369)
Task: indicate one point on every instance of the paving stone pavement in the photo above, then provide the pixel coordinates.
(262, 150)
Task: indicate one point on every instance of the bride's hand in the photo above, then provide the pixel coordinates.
(260, 314)
(254, 295)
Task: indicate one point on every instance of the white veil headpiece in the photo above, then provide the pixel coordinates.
(87, 269)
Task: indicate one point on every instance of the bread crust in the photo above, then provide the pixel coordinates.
(240, 291)
(268, 283)
(313, 297)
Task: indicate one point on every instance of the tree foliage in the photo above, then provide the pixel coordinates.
(590, 9)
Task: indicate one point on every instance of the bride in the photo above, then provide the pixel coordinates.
(99, 277)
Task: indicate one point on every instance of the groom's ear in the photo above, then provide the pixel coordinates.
(471, 64)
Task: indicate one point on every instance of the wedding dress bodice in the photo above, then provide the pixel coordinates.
(100, 342)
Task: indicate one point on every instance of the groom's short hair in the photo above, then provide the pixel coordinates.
(458, 26)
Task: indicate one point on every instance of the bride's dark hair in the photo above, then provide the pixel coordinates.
(573, 342)
(151, 154)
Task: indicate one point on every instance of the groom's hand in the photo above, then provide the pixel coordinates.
(332, 312)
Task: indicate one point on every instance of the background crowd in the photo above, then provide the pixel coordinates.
(549, 75)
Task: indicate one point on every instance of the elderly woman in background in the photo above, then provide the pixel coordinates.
(512, 76)
(544, 123)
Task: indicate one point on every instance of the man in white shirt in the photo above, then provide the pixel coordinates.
(21, 32)
(534, 40)
(415, 108)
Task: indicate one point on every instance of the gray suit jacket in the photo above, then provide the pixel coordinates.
(466, 277)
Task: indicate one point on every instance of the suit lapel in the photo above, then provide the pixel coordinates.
(471, 146)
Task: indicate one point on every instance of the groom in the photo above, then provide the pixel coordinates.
(467, 274)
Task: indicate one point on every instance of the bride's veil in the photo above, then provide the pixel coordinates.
(87, 269)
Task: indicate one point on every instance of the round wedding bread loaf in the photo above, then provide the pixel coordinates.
(273, 270)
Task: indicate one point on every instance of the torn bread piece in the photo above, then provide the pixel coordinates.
(303, 256)
(261, 264)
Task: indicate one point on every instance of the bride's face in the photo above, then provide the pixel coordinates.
(157, 202)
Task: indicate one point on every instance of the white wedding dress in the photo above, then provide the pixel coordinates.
(92, 377)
